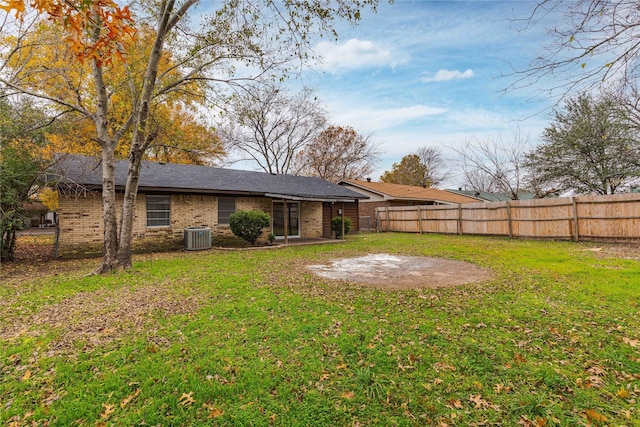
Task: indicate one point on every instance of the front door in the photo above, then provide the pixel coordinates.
(293, 219)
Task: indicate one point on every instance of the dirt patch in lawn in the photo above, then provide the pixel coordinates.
(402, 272)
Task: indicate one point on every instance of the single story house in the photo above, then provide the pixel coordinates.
(486, 196)
(382, 194)
(172, 197)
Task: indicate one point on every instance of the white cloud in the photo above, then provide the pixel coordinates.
(447, 75)
(354, 54)
(375, 120)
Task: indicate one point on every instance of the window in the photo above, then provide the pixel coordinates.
(158, 211)
(226, 206)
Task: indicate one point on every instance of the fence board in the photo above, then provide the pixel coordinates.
(612, 217)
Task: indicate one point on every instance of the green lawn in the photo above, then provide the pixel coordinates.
(252, 338)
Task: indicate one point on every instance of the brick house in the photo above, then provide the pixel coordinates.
(172, 197)
(382, 194)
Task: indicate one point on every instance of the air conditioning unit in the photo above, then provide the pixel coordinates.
(197, 238)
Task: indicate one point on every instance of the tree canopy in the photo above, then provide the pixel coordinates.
(410, 171)
(589, 148)
(269, 125)
(496, 165)
(338, 152)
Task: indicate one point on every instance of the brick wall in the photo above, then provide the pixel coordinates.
(81, 228)
(311, 219)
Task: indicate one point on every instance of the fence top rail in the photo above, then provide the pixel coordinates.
(531, 203)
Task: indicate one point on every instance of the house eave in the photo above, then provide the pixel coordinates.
(308, 198)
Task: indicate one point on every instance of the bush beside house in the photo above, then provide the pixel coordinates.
(249, 224)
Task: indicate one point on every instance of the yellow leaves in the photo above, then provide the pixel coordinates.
(49, 198)
(16, 5)
(26, 375)
(623, 393)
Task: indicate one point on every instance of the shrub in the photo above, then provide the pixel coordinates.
(336, 225)
(249, 224)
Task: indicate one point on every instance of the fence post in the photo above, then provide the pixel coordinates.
(509, 219)
(460, 219)
(420, 219)
(56, 244)
(388, 220)
(575, 219)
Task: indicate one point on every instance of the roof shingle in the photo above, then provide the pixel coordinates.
(87, 171)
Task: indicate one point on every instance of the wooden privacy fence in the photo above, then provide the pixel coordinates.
(613, 217)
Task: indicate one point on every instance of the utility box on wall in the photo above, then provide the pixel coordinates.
(197, 238)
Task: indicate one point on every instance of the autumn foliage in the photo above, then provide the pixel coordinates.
(108, 24)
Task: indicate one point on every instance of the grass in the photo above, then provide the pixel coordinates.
(252, 338)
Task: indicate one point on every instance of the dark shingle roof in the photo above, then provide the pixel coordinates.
(170, 177)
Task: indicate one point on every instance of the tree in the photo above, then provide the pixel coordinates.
(431, 157)
(271, 126)
(595, 41)
(495, 166)
(338, 152)
(590, 148)
(410, 171)
(21, 136)
(263, 36)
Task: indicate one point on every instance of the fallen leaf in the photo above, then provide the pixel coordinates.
(348, 395)
(597, 371)
(519, 358)
(26, 375)
(438, 366)
(593, 416)
(632, 343)
(456, 403)
(186, 399)
(108, 410)
(479, 402)
(623, 393)
(215, 413)
(129, 398)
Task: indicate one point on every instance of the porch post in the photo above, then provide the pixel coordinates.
(342, 216)
(286, 222)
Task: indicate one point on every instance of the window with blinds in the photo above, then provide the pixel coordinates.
(226, 206)
(158, 210)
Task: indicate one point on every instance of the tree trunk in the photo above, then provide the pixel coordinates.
(109, 262)
(140, 141)
(107, 145)
(129, 211)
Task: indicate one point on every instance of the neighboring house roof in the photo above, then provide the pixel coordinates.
(179, 178)
(491, 197)
(407, 192)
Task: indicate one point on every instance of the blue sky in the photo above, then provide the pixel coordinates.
(428, 73)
